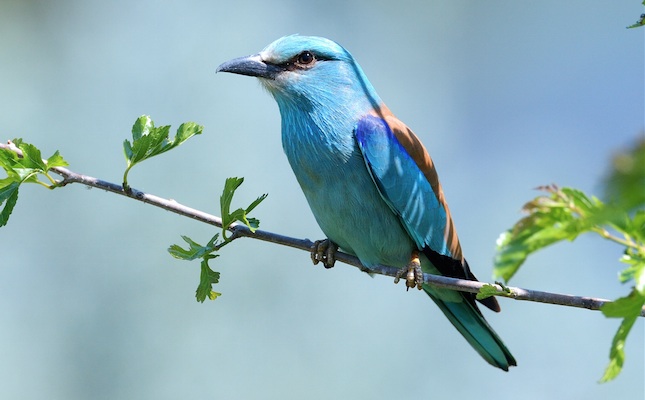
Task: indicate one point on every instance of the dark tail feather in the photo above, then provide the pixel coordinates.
(471, 324)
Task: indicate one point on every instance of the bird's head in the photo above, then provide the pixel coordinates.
(306, 71)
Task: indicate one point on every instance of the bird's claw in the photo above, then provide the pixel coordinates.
(413, 273)
(324, 251)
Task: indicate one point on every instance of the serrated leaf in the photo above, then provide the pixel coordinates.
(8, 196)
(150, 144)
(8, 159)
(145, 139)
(253, 224)
(225, 200)
(563, 214)
(149, 141)
(194, 250)
(56, 160)
(141, 127)
(26, 169)
(31, 156)
(256, 202)
(580, 200)
(240, 214)
(207, 279)
(617, 351)
(186, 131)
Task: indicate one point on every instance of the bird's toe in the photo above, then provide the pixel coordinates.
(324, 251)
(412, 271)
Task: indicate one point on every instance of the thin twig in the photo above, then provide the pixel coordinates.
(239, 230)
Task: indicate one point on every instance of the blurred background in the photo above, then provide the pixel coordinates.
(506, 96)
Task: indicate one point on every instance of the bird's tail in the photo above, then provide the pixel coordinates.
(469, 321)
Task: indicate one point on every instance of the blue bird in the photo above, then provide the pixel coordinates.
(369, 181)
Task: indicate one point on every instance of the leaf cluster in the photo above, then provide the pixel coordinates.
(565, 213)
(149, 141)
(23, 163)
(209, 277)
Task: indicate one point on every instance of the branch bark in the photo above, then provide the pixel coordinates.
(239, 230)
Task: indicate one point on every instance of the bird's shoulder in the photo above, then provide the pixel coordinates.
(412, 146)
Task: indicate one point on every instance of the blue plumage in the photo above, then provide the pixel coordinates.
(402, 184)
(369, 181)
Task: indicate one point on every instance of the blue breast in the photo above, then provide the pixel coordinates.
(341, 193)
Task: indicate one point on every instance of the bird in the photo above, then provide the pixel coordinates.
(369, 181)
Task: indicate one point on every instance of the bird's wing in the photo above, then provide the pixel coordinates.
(405, 176)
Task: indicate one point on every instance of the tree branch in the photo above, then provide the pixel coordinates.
(239, 230)
(463, 285)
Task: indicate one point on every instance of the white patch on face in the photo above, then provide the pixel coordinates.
(267, 56)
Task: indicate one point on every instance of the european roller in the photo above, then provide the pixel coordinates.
(368, 179)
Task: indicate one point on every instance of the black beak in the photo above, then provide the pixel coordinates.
(250, 66)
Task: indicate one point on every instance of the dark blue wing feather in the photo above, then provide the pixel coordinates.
(402, 184)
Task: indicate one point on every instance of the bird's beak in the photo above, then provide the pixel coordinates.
(250, 66)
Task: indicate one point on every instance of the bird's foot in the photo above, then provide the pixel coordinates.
(413, 273)
(324, 251)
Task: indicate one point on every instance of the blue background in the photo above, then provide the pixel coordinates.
(506, 96)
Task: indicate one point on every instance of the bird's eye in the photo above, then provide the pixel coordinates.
(306, 58)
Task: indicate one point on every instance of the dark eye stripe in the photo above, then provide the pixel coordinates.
(304, 60)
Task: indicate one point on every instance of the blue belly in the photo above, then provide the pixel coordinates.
(350, 210)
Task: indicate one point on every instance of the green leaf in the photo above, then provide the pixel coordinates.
(149, 144)
(635, 271)
(56, 160)
(625, 183)
(640, 22)
(194, 251)
(240, 214)
(30, 163)
(29, 166)
(562, 214)
(226, 199)
(624, 307)
(207, 279)
(186, 131)
(255, 203)
(617, 351)
(149, 141)
(636, 226)
(487, 291)
(32, 158)
(9, 196)
(141, 127)
(550, 219)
